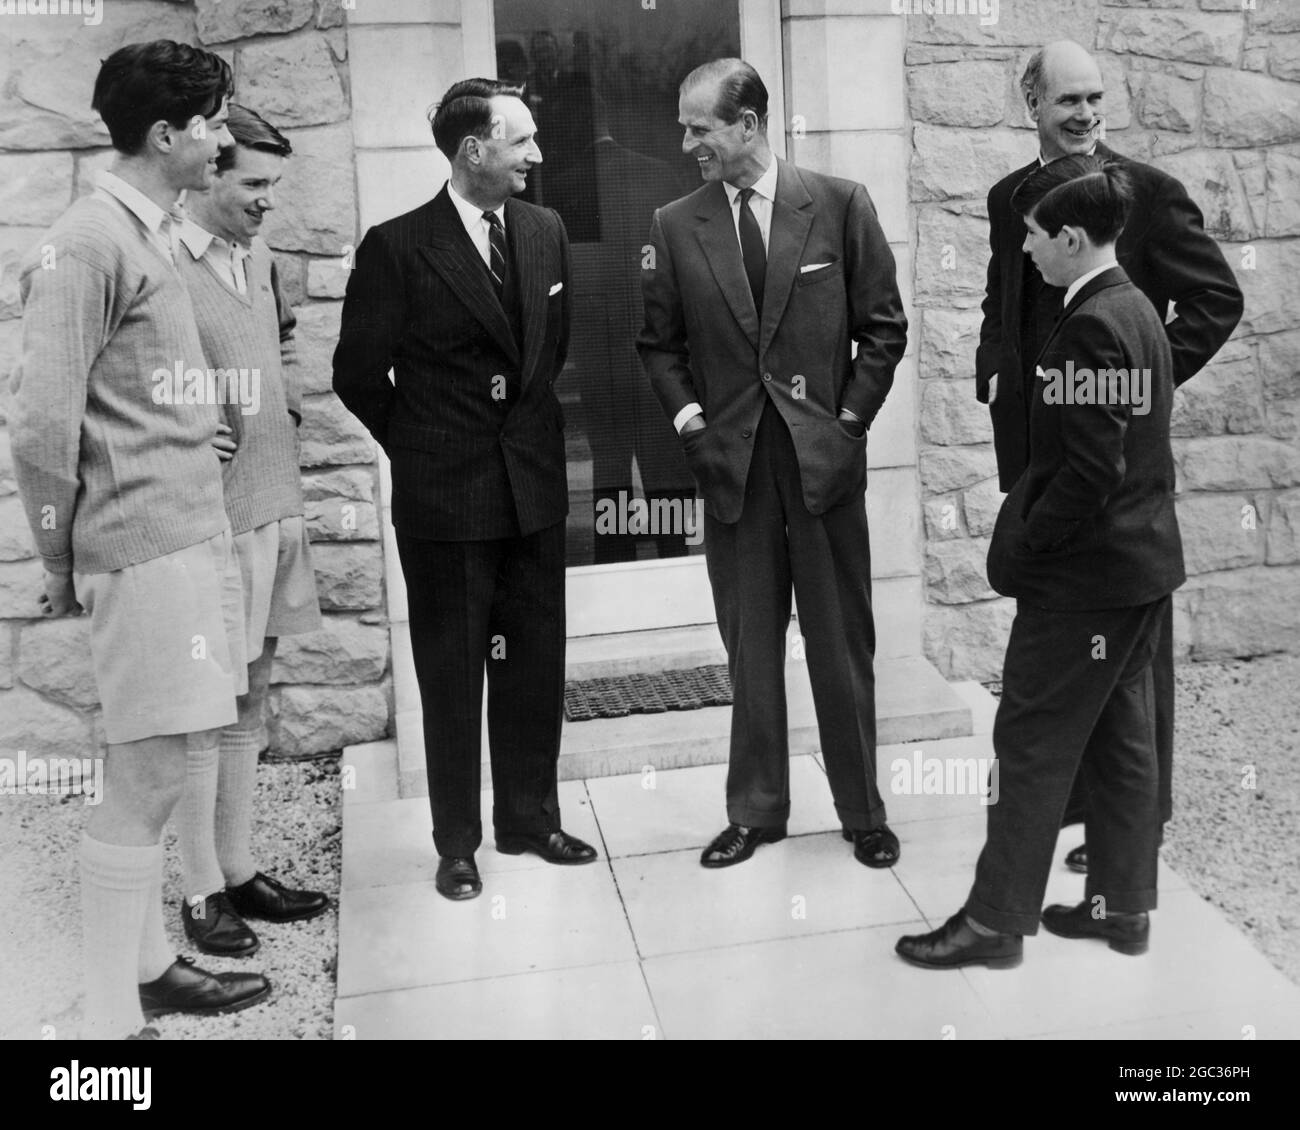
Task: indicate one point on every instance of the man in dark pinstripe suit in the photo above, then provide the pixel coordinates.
(466, 300)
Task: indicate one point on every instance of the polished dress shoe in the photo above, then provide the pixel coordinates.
(457, 877)
(956, 944)
(1077, 860)
(1125, 933)
(187, 988)
(736, 843)
(215, 927)
(263, 897)
(876, 848)
(554, 847)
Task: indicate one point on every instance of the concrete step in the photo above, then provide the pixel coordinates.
(913, 703)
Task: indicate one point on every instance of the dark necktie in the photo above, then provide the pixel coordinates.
(752, 250)
(497, 251)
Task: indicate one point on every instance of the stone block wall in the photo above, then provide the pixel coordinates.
(1209, 92)
(331, 688)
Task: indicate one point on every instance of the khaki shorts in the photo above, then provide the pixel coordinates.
(167, 641)
(279, 582)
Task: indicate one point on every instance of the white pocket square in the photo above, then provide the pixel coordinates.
(812, 267)
(556, 289)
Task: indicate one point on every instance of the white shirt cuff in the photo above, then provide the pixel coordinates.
(685, 414)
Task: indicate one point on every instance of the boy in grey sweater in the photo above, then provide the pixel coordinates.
(246, 327)
(123, 494)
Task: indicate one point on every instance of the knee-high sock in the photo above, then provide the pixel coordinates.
(195, 816)
(156, 953)
(236, 780)
(117, 882)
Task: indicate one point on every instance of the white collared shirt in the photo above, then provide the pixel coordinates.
(472, 217)
(227, 258)
(1043, 160)
(1077, 285)
(143, 209)
(760, 203)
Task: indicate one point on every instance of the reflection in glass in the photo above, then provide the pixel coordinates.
(601, 81)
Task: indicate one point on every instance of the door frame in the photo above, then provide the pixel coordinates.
(638, 596)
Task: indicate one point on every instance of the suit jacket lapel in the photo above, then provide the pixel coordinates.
(452, 253)
(524, 232)
(721, 246)
(785, 242)
(1013, 248)
(1112, 276)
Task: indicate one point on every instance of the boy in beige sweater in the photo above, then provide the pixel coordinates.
(246, 327)
(123, 494)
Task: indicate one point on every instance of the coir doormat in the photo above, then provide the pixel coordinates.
(621, 695)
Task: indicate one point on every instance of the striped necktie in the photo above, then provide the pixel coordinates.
(497, 251)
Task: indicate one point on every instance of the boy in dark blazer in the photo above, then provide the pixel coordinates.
(1087, 542)
(1168, 256)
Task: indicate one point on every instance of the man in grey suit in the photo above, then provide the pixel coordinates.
(760, 283)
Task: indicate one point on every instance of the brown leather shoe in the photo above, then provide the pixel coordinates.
(215, 927)
(955, 944)
(187, 988)
(736, 843)
(1128, 933)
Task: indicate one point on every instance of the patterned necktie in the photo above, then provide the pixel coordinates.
(497, 251)
(237, 257)
(167, 233)
(752, 250)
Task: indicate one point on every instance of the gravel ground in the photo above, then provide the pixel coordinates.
(297, 837)
(1238, 847)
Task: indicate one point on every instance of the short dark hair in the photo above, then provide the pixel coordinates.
(466, 110)
(740, 88)
(251, 131)
(144, 83)
(1084, 192)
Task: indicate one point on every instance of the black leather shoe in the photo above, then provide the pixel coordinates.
(554, 847)
(1125, 933)
(955, 944)
(214, 926)
(263, 897)
(187, 988)
(736, 843)
(1077, 860)
(876, 848)
(457, 877)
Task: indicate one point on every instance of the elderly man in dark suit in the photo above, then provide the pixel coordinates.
(1087, 542)
(464, 298)
(760, 282)
(1167, 255)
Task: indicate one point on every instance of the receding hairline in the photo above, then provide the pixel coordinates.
(1050, 56)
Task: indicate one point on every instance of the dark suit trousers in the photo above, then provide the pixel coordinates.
(752, 564)
(495, 605)
(1162, 674)
(1065, 711)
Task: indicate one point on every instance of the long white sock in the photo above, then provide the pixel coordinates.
(156, 953)
(195, 828)
(117, 883)
(236, 783)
